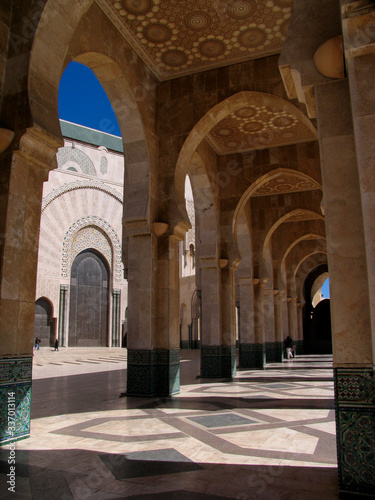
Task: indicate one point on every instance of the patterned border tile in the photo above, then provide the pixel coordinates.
(355, 429)
(152, 373)
(218, 361)
(252, 355)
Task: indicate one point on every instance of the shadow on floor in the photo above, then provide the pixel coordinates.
(157, 474)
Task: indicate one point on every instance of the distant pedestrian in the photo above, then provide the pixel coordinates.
(37, 342)
(289, 347)
(56, 345)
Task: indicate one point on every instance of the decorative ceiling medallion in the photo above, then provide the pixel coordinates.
(233, 144)
(253, 127)
(212, 48)
(252, 38)
(138, 7)
(157, 33)
(197, 21)
(224, 132)
(174, 58)
(241, 9)
(286, 183)
(210, 33)
(283, 121)
(267, 122)
(248, 112)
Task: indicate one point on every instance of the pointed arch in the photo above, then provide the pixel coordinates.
(215, 116)
(294, 215)
(308, 183)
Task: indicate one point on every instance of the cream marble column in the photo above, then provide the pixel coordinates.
(300, 328)
(269, 325)
(285, 316)
(259, 327)
(247, 332)
(228, 322)
(153, 312)
(359, 42)
(218, 326)
(167, 313)
(278, 315)
(294, 324)
(349, 285)
(20, 222)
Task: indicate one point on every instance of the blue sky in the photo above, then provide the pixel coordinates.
(83, 100)
(325, 289)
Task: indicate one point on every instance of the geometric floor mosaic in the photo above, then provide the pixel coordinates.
(265, 434)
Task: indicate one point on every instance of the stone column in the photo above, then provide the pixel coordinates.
(278, 315)
(167, 313)
(153, 313)
(259, 328)
(63, 315)
(115, 337)
(285, 319)
(300, 328)
(228, 323)
(21, 198)
(218, 345)
(349, 283)
(246, 323)
(269, 326)
(294, 325)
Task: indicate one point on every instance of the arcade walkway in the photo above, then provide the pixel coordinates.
(263, 435)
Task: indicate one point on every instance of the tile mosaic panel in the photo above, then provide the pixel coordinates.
(252, 355)
(15, 397)
(274, 352)
(355, 386)
(153, 372)
(355, 424)
(218, 361)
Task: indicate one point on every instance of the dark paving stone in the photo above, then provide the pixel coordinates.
(148, 463)
(222, 420)
(178, 495)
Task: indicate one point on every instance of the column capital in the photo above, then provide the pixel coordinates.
(39, 148)
(136, 227)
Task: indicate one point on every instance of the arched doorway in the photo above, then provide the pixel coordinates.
(316, 314)
(44, 326)
(321, 335)
(89, 297)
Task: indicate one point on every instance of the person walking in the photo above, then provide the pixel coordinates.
(56, 345)
(289, 347)
(37, 342)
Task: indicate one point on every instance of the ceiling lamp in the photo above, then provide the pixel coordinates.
(329, 58)
(6, 137)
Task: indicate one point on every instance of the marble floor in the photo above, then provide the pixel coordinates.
(265, 434)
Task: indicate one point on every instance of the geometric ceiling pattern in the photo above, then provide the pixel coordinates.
(180, 37)
(267, 121)
(287, 182)
(302, 215)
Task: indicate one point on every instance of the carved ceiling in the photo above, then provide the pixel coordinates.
(287, 183)
(267, 122)
(302, 215)
(180, 37)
